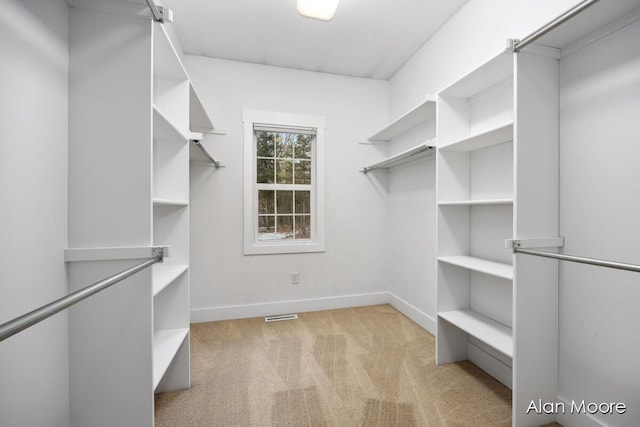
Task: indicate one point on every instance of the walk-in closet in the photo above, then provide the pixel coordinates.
(308, 212)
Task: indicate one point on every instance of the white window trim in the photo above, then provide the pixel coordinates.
(251, 246)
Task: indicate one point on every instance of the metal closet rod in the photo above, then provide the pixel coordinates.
(216, 163)
(21, 323)
(579, 259)
(520, 44)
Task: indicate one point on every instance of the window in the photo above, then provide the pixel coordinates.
(283, 188)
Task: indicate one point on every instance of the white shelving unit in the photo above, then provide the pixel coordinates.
(129, 191)
(475, 215)
(496, 127)
(412, 118)
(171, 102)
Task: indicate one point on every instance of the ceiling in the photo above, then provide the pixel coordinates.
(366, 38)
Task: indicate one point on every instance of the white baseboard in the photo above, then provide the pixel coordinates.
(577, 419)
(211, 314)
(427, 322)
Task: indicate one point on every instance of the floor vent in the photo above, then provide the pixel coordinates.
(280, 317)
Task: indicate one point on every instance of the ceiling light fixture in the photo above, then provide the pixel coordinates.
(318, 9)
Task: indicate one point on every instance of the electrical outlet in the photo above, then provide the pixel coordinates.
(295, 278)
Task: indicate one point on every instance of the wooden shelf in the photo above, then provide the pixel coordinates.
(164, 275)
(166, 344)
(169, 202)
(417, 152)
(495, 136)
(487, 330)
(164, 129)
(479, 202)
(497, 269)
(420, 113)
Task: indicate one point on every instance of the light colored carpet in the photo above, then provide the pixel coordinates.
(365, 366)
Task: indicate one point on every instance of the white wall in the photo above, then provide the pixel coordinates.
(224, 282)
(33, 208)
(412, 230)
(599, 205)
(477, 32)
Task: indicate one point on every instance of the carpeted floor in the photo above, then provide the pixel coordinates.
(366, 366)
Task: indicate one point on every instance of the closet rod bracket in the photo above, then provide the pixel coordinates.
(160, 252)
(548, 242)
(160, 14)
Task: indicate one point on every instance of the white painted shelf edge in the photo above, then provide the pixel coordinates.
(480, 202)
(494, 136)
(487, 330)
(418, 114)
(107, 254)
(497, 269)
(169, 202)
(165, 346)
(420, 151)
(164, 129)
(163, 275)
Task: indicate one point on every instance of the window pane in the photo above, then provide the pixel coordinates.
(284, 200)
(303, 202)
(285, 227)
(284, 172)
(266, 202)
(303, 172)
(266, 144)
(284, 145)
(302, 147)
(264, 172)
(266, 227)
(303, 227)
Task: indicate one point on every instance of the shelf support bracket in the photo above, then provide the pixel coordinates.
(549, 242)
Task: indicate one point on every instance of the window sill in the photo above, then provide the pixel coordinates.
(282, 248)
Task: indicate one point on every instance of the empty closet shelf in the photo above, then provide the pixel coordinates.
(420, 113)
(165, 129)
(420, 151)
(166, 344)
(169, 202)
(478, 202)
(487, 330)
(495, 136)
(498, 269)
(164, 275)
